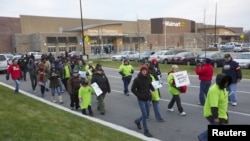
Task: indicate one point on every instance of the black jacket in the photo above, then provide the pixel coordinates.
(102, 81)
(141, 87)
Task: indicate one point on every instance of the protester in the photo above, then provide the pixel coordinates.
(54, 85)
(23, 61)
(91, 71)
(155, 96)
(43, 73)
(85, 97)
(142, 88)
(32, 69)
(66, 73)
(174, 91)
(102, 81)
(216, 105)
(126, 70)
(232, 68)
(155, 65)
(15, 71)
(73, 85)
(205, 72)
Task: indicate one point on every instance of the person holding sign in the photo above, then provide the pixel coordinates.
(155, 96)
(174, 91)
(102, 81)
(82, 68)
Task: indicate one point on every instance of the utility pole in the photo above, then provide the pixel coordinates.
(83, 44)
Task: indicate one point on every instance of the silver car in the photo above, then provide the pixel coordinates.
(162, 56)
(5, 60)
(243, 59)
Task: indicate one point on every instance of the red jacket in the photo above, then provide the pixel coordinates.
(15, 71)
(205, 72)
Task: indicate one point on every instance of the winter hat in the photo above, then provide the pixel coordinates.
(144, 67)
(227, 55)
(153, 61)
(98, 67)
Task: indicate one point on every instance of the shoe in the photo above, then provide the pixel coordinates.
(171, 109)
(138, 125)
(234, 103)
(102, 113)
(200, 104)
(34, 91)
(148, 134)
(72, 108)
(61, 102)
(54, 101)
(161, 120)
(183, 114)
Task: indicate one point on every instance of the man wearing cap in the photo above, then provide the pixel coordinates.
(205, 73)
(232, 68)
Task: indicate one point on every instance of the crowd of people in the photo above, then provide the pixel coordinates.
(75, 76)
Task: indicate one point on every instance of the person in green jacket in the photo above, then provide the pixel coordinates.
(215, 109)
(126, 70)
(174, 91)
(82, 68)
(155, 96)
(85, 97)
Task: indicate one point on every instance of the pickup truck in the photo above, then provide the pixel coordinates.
(228, 46)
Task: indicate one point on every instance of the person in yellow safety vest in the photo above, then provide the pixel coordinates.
(126, 70)
(66, 73)
(91, 71)
(155, 96)
(82, 69)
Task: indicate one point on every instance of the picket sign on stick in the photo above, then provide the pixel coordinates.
(181, 78)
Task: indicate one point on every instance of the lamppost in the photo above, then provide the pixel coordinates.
(215, 45)
(83, 44)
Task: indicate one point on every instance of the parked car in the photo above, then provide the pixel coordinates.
(130, 55)
(37, 55)
(5, 61)
(240, 48)
(186, 57)
(216, 58)
(243, 59)
(73, 54)
(228, 46)
(162, 56)
(144, 56)
(17, 57)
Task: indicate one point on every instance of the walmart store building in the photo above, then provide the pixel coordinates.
(56, 34)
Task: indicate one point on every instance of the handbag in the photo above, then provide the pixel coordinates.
(7, 76)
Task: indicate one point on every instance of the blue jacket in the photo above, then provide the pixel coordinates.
(232, 69)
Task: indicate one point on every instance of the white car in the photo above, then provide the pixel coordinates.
(243, 59)
(162, 56)
(37, 55)
(5, 60)
(130, 55)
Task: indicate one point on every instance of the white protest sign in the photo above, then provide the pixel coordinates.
(181, 78)
(156, 84)
(96, 88)
(82, 74)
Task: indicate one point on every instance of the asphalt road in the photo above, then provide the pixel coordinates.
(123, 110)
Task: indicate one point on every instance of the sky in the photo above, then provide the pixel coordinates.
(230, 13)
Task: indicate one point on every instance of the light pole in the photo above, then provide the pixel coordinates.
(165, 33)
(83, 44)
(215, 24)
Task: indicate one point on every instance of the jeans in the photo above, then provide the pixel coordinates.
(33, 79)
(60, 84)
(144, 106)
(126, 81)
(17, 83)
(54, 90)
(203, 136)
(204, 86)
(157, 110)
(232, 92)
